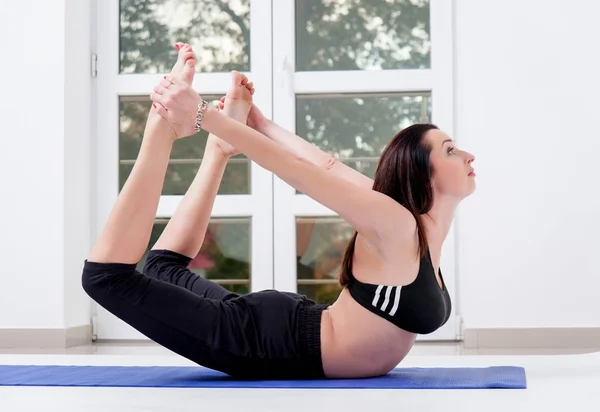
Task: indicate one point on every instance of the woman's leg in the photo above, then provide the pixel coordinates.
(127, 232)
(172, 267)
(206, 331)
(267, 334)
(182, 238)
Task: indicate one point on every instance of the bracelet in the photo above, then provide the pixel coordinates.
(200, 115)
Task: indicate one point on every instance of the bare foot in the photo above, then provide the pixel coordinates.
(236, 104)
(238, 100)
(185, 66)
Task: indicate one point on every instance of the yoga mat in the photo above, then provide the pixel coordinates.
(495, 377)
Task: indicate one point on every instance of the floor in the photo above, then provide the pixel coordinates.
(558, 380)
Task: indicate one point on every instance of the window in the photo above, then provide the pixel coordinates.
(218, 30)
(186, 155)
(355, 128)
(224, 256)
(346, 75)
(362, 35)
(135, 49)
(320, 244)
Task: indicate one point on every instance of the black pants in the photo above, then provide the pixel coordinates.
(260, 335)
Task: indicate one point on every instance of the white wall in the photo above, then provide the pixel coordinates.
(45, 152)
(527, 83)
(78, 165)
(526, 93)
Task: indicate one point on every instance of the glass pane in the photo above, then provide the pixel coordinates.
(186, 155)
(320, 245)
(355, 129)
(219, 31)
(224, 257)
(362, 34)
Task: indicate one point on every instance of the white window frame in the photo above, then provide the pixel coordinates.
(111, 85)
(272, 205)
(438, 80)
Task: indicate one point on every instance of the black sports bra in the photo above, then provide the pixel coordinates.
(421, 307)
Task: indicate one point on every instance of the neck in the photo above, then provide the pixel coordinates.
(438, 221)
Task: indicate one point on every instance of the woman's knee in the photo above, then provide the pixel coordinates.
(161, 262)
(98, 277)
(151, 263)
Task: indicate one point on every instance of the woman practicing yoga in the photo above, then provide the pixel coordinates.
(393, 289)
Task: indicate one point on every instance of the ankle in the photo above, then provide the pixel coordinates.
(238, 112)
(213, 147)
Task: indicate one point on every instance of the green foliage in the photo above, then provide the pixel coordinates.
(218, 29)
(362, 34)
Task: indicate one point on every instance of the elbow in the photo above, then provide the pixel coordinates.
(329, 162)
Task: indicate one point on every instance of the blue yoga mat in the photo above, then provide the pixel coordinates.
(495, 377)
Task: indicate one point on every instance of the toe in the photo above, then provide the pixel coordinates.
(189, 70)
(236, 78)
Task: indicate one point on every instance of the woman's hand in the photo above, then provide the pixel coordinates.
(176, 101)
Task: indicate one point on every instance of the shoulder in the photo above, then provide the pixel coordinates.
(397, 222)
(394, 227)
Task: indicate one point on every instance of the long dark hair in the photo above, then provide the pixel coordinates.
(404, 174)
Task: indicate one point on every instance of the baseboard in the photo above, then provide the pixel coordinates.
(45, 338)
(493, 338)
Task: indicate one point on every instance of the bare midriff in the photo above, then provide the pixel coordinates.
(357, 343)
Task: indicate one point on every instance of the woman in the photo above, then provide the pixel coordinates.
(393, 289)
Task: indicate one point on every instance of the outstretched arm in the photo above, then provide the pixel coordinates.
(378, 217)
(303, 148)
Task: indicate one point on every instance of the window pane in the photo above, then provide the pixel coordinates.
(224, 257)
(356, 129)
(186, 155)
(320, 245)
(362, 34)
(219, 31)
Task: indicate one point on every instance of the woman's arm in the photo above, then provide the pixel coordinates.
(303, 148)
(373, 214)
(377, 216)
